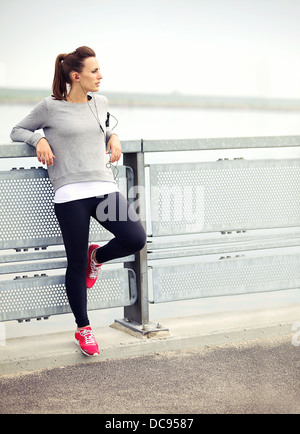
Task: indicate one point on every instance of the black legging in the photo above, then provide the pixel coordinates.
(115, 215)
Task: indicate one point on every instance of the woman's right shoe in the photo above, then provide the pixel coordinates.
(93, 268)
(86, 340)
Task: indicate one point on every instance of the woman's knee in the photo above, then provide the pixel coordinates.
(140, 239)
(136, 238)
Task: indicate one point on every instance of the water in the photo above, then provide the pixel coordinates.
(172, 123)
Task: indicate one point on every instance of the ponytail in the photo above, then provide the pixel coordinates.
(64, 65)
(59, 86)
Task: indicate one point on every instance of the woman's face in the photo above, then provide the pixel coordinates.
(90, 76)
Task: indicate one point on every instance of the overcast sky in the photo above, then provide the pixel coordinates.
(208, 47)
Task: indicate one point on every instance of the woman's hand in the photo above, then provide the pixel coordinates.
(114, 146)
(44, 152)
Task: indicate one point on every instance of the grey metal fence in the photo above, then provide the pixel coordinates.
(219, 227)
(33, 260)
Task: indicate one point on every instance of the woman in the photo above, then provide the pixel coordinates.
(74, 147)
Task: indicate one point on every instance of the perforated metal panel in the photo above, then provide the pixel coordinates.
(224, 195)
(225, 277)
(27, 212)
(43, 296)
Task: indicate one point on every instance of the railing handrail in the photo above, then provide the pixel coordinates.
(19, 149)
(206, 144)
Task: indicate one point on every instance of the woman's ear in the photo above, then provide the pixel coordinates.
(75, 76)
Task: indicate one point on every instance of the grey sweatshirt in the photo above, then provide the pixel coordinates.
(74, 136)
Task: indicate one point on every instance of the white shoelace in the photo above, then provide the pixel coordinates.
(94, 269)
(88, 336)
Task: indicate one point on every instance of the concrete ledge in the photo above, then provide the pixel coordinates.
(57, 350)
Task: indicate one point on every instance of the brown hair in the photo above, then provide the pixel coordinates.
(64, 65)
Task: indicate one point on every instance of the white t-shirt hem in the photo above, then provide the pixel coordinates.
(84, 190)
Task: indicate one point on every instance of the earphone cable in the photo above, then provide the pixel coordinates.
(109, 165)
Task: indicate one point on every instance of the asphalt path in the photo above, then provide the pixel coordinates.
(256, 377)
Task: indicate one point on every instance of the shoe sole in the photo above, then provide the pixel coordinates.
(86, 354)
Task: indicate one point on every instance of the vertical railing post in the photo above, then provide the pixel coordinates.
(136, 316)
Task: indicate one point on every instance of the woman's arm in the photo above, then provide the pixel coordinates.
(25, 131)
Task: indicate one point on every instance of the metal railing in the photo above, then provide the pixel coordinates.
(217, 227)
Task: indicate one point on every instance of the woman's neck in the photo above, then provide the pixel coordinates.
(76, 95)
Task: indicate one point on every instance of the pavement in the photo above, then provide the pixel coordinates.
(227, 362)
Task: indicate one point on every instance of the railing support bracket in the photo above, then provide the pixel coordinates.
(142, 331)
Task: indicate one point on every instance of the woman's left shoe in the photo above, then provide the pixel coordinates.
(93, 268)
(86, 340)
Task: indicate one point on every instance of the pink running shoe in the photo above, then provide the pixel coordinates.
(86, 340)
(92, 268)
